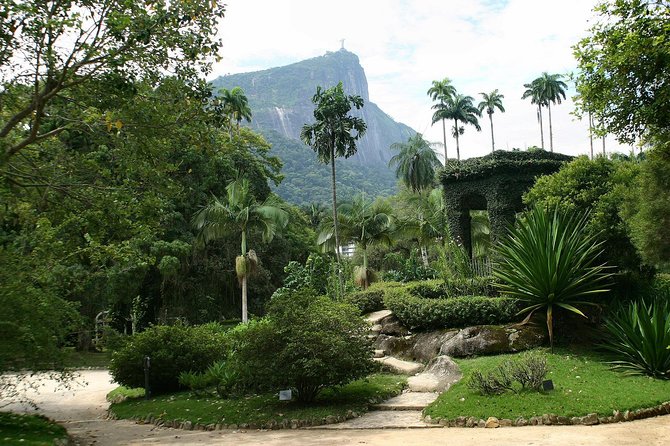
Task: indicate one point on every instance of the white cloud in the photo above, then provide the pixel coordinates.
(405, 44)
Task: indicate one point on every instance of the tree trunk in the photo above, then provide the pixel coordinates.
(366, 282)
(458, 148)
(493, 142)
(539, 107)
(335, 224)
(424, 256)
(604, 152)
(591, 133)
(245, 318)
(551, 131)
(444, 138)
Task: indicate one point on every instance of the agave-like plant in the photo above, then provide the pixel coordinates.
(549, 260)
(638, 338)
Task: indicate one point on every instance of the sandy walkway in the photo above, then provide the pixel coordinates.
(82, 411)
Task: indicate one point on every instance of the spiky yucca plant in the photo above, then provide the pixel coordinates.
(549, 260)
(638, 338)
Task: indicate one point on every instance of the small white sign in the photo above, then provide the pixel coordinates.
(285, 395)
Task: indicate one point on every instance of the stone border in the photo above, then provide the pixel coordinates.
(554, 420)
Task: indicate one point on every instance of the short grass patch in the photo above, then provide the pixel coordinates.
(123, 393)
(583, 384)
(33, 430)
(73, 359)
(260, 409)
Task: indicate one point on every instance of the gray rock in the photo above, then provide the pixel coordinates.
(505, 422)
(331, 419)
(481, 423)
(188, 425)
(471, 422)
(391, 326)
(521, 421)
(438, 376)
(590, 419)
(492, 340)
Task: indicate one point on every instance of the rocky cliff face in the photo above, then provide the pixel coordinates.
(280, 100)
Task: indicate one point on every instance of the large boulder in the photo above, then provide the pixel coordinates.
(438, 376)
(470, 341)
(493, 340)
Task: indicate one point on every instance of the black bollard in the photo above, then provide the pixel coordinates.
(147, 368)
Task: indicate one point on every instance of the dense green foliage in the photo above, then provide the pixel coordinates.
(264, 409)
(173, 350)
(418, 313)
(638, 338)
(583, 384)
(503, 163)
(30, 430)
(649, 209)
(549, 262)
(624, 77)
(600, 187)
(460, 109)
(306, 343)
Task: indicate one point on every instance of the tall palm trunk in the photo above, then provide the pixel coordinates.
(458, 148)
(245, 317)
(591, 133)
(244, 300)
(424, 256)
(335, 223)
(493, 142)
(539, 115)
(551, 131)
(444, 138)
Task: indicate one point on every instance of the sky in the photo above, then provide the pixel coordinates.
(404, 45)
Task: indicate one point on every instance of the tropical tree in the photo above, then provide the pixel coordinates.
(240, 213)
(364, 223)
(236, 105)
(425, 221)
(334, 134)
(553, 91)
(490, 102)
(442, 91)
(460, 109)
(415, 163)
(534, 92)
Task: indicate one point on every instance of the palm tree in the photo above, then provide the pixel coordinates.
(426, 220)
(334, 134)
(236, 105)
(240, 213)
(415, 163)
(553, 90)
(442, 91)
(460, 109)
(364, 223)
(534, 92)
(490, 102)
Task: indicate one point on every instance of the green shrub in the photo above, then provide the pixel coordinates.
(306, 343)
(173, 350)
(549, 261)
(526, 372)
(440, 289)
(638, 338)
(423, 314)
(366, 301)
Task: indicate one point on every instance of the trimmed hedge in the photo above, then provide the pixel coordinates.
(440, 289)
(371, 299)
(417, 313)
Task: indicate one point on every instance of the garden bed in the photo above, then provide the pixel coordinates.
(186, 411)
(586, 391)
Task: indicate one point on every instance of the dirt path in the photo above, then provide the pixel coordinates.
(82, 411)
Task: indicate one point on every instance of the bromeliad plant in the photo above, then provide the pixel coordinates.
(638, 338)
(549, 260)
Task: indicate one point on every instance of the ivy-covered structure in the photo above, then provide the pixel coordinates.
(496, 183)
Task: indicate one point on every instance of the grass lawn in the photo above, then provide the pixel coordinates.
(583, 385)
(260, 409)
(31, 430)
(73, 359)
